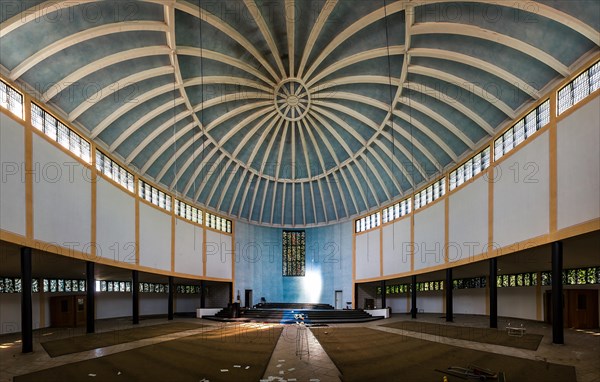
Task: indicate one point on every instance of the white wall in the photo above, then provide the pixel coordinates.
(398, 303)
(153, 303)
(219, 251)
(396, 247)
(368, 257)
(61, 197)
(113, 304)
(468, 220)
(429, 236)
(185, 303)
(521, 194)
(115, 222)
(430, 302)
(188, 248)
(517, 302)
(469, 301)
(578, 185)
(12, 173)
(155, 238)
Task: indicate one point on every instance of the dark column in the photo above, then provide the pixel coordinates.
(413, 297)
(356, 296)
(26, 308)
(90, 303)
(135, 297)
(230, 292)
(448, 286)
(493, 292)
(557, 294)
(202, 294)
(171, 295)
(383, 295)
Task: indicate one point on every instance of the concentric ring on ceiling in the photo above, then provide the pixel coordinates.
(280, 112)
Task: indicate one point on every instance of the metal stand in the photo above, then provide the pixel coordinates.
(301, 341)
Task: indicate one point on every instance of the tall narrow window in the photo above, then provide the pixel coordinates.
(294, 253)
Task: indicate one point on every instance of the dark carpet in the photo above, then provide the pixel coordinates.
(78, 344)
(363, 354)
(485, 335)
(229, 353)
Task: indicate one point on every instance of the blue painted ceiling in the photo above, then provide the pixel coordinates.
(280, 112)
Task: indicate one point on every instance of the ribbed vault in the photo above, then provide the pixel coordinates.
(292, 112)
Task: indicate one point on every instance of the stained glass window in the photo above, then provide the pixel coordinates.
(294, 253)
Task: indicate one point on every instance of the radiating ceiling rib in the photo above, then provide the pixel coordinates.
(424, 129)
(243, 123)
(246, 189)
(102, 63)
(235, 112)
(225, 59)
(273, 204)
(333, 154)
(228, 30)
(426, 90)
(357, 26)
(212, 164)
(398, 164)
(128, 106)
(303, 204)
(253, 203)
(110, 89)
(441, 120)
(486, 34)
(206, 162)
(263, 135)
(321, 161)
(264, 29)
(283, 205)
(394, 50)
(219, 181)
(220, 120)
(408, 154)
(284, 133)
(290, 19)
(252, 132)
(270, 146)
(229, 80)
(231, 97)
(37, 13)
(315, 32)
(309, 168)
(150, 137)
(466, 85)
(415, 142)
(88, 34)
(344, 144)
(196, 154)
(179, 149)
(230, 178)
(237, 191)
(477, 63)
(169, 105)
(352, 80)
(371, 166)
(540, 9)
(264, 198)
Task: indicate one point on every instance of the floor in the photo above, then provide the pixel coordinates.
(296, 361)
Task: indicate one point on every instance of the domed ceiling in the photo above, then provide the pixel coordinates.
(295, 112)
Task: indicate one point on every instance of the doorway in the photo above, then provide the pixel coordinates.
(338, 300)
(248, 298)
(580, 309)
